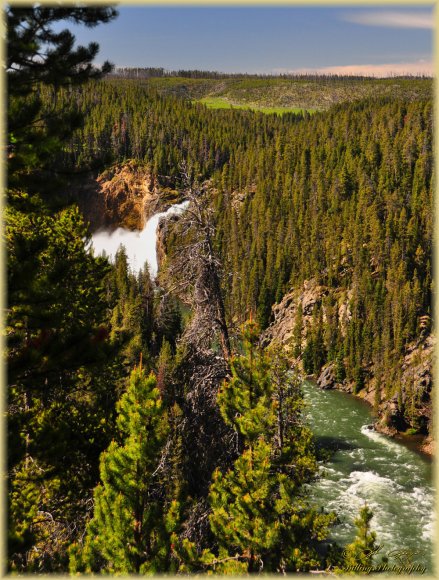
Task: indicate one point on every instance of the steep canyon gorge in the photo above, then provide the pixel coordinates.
(126, 196)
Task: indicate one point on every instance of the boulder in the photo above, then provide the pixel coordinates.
(326, 379)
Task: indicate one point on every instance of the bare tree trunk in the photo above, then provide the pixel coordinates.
(195, 265)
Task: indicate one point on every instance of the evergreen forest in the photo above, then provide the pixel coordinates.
(155, 425)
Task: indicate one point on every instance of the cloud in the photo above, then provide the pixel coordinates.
(392, 19)
(422, 67)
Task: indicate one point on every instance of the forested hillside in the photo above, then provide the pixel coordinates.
(152, 426)
(345, 199)
(342, 197)
(317, 92)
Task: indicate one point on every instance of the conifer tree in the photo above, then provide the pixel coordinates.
(340, 371)
(259, 517)
(245, 401)
(164, 367)
(39, 55)
(128, 531)
(56, 322)
(319, 349)
(243, 518)
(297, 331)
(360, 552)
(61, 373)
(308, 355)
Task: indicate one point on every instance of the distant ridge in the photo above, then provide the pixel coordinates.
(160, 72)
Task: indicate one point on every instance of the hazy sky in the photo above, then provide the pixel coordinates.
(269, 39)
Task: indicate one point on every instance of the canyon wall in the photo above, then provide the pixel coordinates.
(124, 195)
(416, 369)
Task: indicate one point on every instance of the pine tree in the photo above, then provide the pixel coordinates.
(308, 355)
(61, 373)
(340, 370)
(146, 293)
(359, 377)
(297, 331)
(245, 401)
(243, 518)
(128, 531)
(164, 367)
(37, 55)
(259, 518)
(360, 552)
(56, 303)
(319, 348)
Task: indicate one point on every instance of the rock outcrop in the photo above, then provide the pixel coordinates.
(416, 387)
(327, 379)
(125, 195)
(281, 330)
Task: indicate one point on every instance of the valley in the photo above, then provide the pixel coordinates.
(219, 322)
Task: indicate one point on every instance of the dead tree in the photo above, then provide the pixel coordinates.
(195, 272)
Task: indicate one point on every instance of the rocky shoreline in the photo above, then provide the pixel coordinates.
(389, 416)
(416, 365)
(424, 444)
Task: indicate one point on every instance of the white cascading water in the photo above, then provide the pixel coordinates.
(140, 245)
(369, 467)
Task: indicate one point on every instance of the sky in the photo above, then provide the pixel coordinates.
(269, 39)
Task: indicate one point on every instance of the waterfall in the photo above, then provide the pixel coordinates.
(141, 246)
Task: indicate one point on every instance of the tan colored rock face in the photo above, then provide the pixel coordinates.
(122, 196)
(125, 195)
(281, 331)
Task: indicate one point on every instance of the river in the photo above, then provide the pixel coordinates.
(140, 245)
(395, 482)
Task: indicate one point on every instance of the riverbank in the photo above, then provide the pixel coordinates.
(365, 466)
(422, 444)
(400, 390)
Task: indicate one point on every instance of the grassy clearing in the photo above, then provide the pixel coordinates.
(218, 103)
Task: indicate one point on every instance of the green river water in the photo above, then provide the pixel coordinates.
(365, 466)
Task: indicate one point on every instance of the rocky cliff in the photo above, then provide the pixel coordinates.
(311, 294)
(415, 377)
(125, 195)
